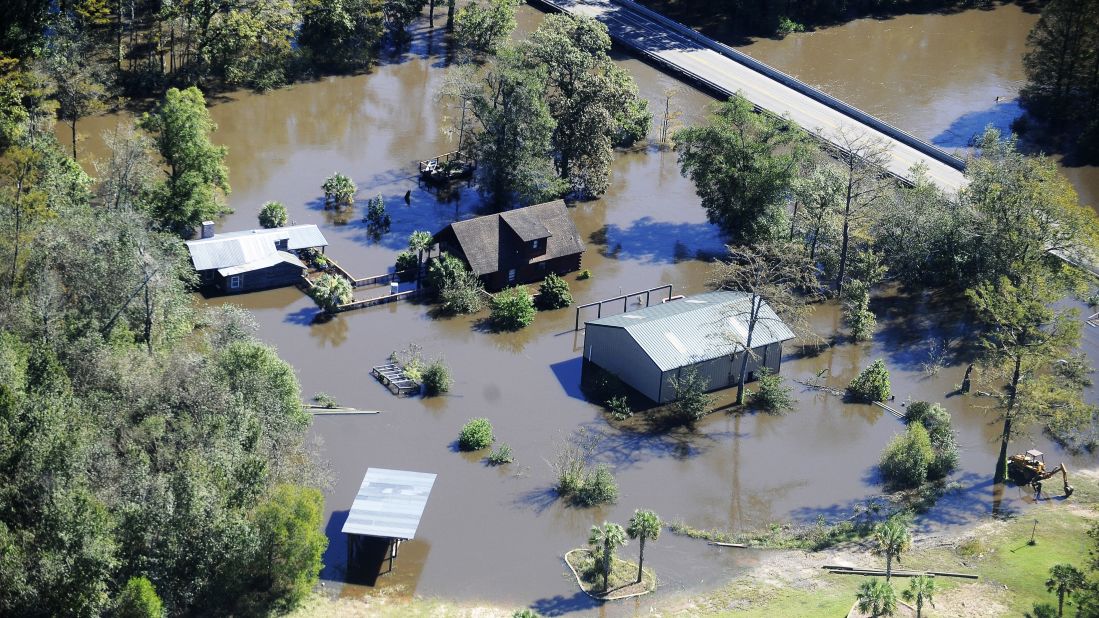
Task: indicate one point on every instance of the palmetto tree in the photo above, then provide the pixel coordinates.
(920, 589)
(876, 597)
(893, 539)
(1064, 579)
(419, 241)
(605, 540)
(643, 525)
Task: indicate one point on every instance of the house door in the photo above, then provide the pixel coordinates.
(511, 275)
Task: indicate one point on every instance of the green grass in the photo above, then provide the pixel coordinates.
(623, 573)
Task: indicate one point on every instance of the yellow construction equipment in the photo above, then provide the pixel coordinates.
(1029, 468)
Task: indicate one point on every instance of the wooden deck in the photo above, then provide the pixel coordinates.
(392, 376)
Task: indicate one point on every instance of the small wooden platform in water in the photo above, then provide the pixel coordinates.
(393, 377)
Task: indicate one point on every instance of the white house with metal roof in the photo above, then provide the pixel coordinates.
(650, 347)
(250, 260)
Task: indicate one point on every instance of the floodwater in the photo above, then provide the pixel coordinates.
(498, 534)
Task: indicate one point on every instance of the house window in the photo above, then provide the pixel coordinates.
(511, 275)
(234, 282)
(534, 244)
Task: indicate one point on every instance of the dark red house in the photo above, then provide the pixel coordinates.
(517, 246)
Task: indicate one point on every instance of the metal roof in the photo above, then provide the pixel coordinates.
(389, 504)
(266, 261)
(238, 248)
(697, 328)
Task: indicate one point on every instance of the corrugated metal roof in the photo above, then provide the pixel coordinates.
(389, 504)
(263, 262)
(238, 248)
(698, 328)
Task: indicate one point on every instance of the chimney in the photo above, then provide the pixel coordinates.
(207, 229)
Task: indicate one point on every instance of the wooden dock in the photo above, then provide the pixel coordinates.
(393, 377)
(454, 165)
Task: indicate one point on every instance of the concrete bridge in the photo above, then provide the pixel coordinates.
(726, 71)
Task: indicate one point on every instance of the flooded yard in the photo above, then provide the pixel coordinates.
(497, 534)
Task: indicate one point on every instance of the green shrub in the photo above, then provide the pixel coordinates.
(584, 274)
(856, 310)
(598, 488)
(554, 293)
(339, 190)
(475, 435)
(691, 400)
(436, 378)
(512, 309)
(871, 385)
(273, 214)
(457, 289)
(936, 420)
(905, 461)
(138, 599)
(502, 455)
(406, 266)
(773, 394)
(326, 400)
(619, 407)
(788, 26)
(526, 613)
(331, 291)
(377, 219)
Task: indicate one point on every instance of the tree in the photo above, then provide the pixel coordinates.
(554, 293)
(1022, 337)
(138, 599)
(920, 588)
(877, 598)
(743, 165)
(692, 402)
(181, 127)
(418, 242)
(436, 378)
(643, 525)
(457, 288)
(907, 458)
(252, 43)
(78, 80)
(856, 311)
(512, 141)
(821, 192)
(20, 177)
(342, 34)
(273, 214)
(1042, 610)
(481, 28)
(866, 185)
(512, 309)
(1061, 62)
(399, 13)
(339, 190)
(871, 385)
(893, 539)
(589, 98)
(605, 541)
(475, 435)
(288, 557)
(330, 291)
(772, 395)
(127, 177)
(1064, 580)
(778, 280)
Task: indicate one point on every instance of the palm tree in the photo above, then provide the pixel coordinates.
(643, 525)
(893, 539)
(1042, 610)
(419, 241)
(876, 597)
(920, 589)
(1064, 579)
(605, 540)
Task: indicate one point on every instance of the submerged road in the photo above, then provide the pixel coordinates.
(696, 57)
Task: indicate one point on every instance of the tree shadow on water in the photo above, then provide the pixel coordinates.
(560, 605)
(659, 242)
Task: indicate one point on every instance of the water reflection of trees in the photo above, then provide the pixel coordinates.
(330, 331)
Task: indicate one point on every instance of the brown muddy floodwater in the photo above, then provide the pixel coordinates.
(498, 534)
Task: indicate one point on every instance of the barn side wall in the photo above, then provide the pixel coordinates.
(614, 350)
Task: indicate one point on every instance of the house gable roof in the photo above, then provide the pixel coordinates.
(480, 237)
(697, 329)
(232, 249)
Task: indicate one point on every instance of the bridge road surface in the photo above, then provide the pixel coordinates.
(697, 58)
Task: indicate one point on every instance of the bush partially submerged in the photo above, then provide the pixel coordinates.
(871, 385)
(502, 455)
(936, 420)
(512, 309)
(554, 293)
(331, 291)
(904, 463)
(599, 488)
(576, 482)
(436, 378)
(457, 289)
(406, 266)
(475, 435)
(772, 395)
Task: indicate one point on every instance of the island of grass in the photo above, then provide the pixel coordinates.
(622, 583)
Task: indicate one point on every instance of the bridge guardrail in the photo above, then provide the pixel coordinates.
(796, 84)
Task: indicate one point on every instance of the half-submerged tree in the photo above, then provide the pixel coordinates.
(643, 525)
(778, 274)
(339, 190)
(273, 214)
(743, 165)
